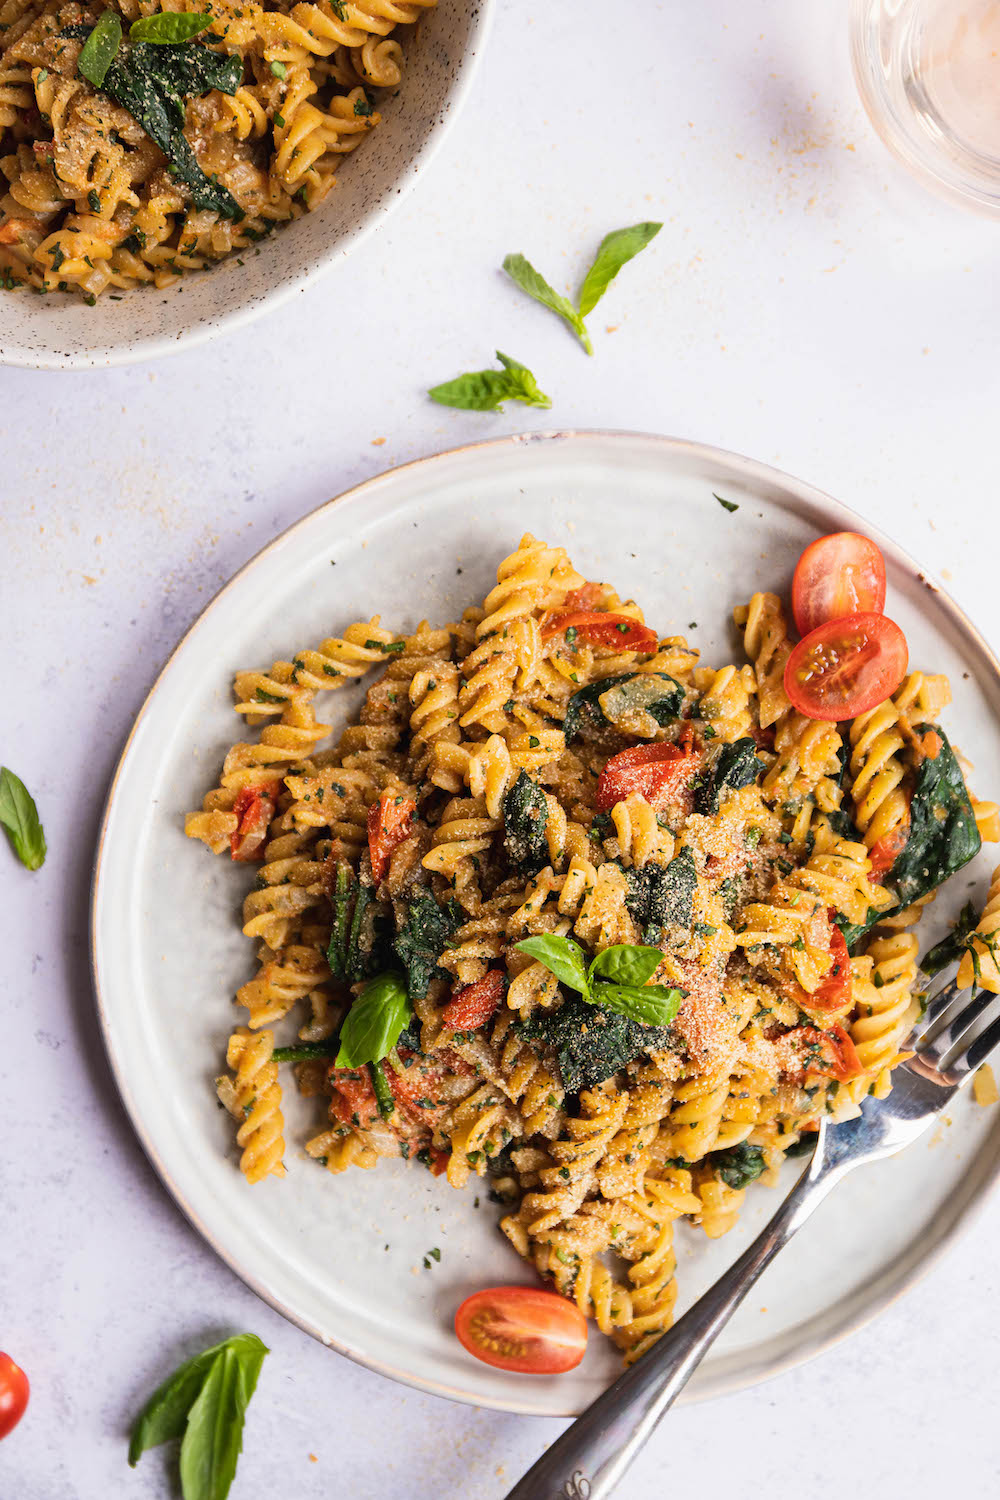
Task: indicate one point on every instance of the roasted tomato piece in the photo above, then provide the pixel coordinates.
(389, 821)
(662, 773)
(601, 628)
(254, 809)
(472, 1007)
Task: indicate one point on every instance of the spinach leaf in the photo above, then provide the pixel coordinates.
(525, 814)
(590, 1044)
(615, 250)
(564, 958)
(374, 1022)
(423, 928)
(524, 275)
(19, 817)
(805, 1144)
(654, 693)
(661, 898)
(626, 963)
(152, 80)
(737, 765)
(738, 1165)
(169, 26)
(98, 51)
(951, 948)
(487, 390)
(204, 1401)
(943, 834)
(649, 1004)
(358, 946)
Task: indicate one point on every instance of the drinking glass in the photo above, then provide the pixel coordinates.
(928, 72)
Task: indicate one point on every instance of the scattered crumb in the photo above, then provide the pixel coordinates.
(946, 573)
(763, 1309)
(611, 328)
(378, 442)
(313, 1459)
(500, 1471)
(984, 1086)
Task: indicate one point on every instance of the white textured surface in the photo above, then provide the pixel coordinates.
(804, 304)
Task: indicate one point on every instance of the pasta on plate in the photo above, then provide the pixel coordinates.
(639, 922)
(186, 152)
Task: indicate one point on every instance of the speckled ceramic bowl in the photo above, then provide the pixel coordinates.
(61, 332)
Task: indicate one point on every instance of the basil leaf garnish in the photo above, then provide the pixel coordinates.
(626, 964)
(169, 26)
(564, 958)
(487, 390)
(98, 51)
(212, 1390)
(652, 1004)
(616, 250)
(374, 1022)
(19, 817)
(524, 275)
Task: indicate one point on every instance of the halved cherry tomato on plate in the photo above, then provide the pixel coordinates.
(838, 575)
(389, 822)
(14, 1392)
(603, 629)
(522, 1328)
(472, 1006)
(845, 667)
(661, 773)
(254, 808)
(830, 1053)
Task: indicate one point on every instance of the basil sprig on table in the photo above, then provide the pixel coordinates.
(152, 76)
(616, 979)
(615, 251)
(19, 817)
(487, 390)
(203, 1403)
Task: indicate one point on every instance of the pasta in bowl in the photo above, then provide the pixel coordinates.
(139, 145)
(571, 911)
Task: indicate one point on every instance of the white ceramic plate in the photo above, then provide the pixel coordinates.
(342, 1256)
(60, 332)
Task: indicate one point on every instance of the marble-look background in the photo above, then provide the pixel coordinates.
(806, 304)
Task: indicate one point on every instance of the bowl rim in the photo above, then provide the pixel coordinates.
(158, 346)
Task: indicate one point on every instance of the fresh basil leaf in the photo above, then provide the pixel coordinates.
(213, 1436)
(374, 1022)
(525, 817)
(616, 250)
(951, 948)
(726, 504)
(737, 765)
(738, 1165)
(562, 956)
(166, 1412)
(487, 390)
(423, 928)
(169, 26)
(651, 1005)
(524, 275)
(99, 50)
(943, 835)
(590, 1044)
(19, 817)
(627, 964)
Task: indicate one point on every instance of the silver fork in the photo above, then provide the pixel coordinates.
(592, 1455)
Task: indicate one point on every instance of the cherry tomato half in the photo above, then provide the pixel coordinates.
(14, 1391)
(389, 822)
(834, 994)
(254, 807)
(472, 1006)
(603, 629)
(661, 773)
(838, 575)
(522, 1328)
(845, 667)
(829, 1053)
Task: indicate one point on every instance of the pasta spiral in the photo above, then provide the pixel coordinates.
(253, 1096)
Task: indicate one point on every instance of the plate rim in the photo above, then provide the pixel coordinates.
(977, 1187)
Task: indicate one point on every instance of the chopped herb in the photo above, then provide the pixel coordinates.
(726, 504)
(280, 71)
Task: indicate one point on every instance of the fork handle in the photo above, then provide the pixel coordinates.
(592, 1455)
